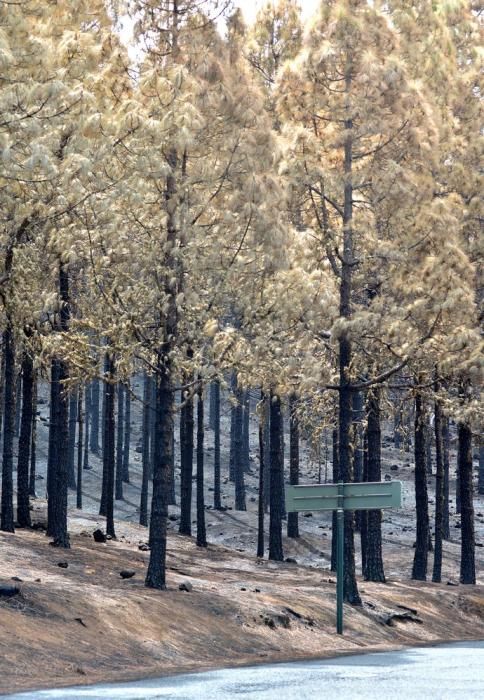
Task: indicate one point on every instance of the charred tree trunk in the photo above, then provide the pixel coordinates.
(439, 494)
(18, 403)
(238, 451)
(233, 392)
(419, 571)
(94, 414)
(446, 461)
(71, 473)
(374, 559)
(480, 487)
(292, 518)
(212, 407)
(120, 444)
(87, 416)
(186, 469)
(260, 505)
(127, 432)
(336, 477)
(145, 451)
(80, 437)
(350, 587)
(358, 407)
(266, 409)
(7, 522)
(201, 528)
(275, 517)
(33, 441)
(246, 431)
(364, 513)
(23, 500)
(217, 497)
(467, 560)
(57, 526)
(109, 432)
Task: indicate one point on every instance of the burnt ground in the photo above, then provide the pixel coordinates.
(84, 623)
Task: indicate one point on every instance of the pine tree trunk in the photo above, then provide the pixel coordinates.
(266, 408)
(94, 414)
(467, 561)
(119, 445)
(80, 430)
(71, 474)
(58, 494)
(2, 385)
(238, 451)
(212, 407)
(334, 526)
(217, 497)
(260, 505)
(52, 456)
(233, 391)
(373, 559)
(419, 571)
(246, 431)
(446, 461)
(23, 501)
(145, 451)
(7, 522)
(275, 517)
(480, 487)
(109, 432)
(397, 426)
(87, 416)
(187, 470)
(18, 403)
(358, 409)
(156, 574)
(283, 463)
(201, 528)
(33, 440)
(292, 518)
(439, 494)
(127, 432)
(364, 513)
(105, 457)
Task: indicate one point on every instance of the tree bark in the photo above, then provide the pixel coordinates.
(260, 504)
(186, 469)
(439, 494)
(24, 445)
(467, 560)
(446, 461)
(334, 525)
(419, 571)
(374, 559)
(480, 487)
(87, 416)
(127, 432)
(217, 498)
(109, 442)
(57, 527)
(238, 451)
(275, 517)
(80, 436)
(33, 440)
(292, 518)
(7, 522)
(119, 444)
(94, 412)
(145, 451)
(201, 528)
(71, 473)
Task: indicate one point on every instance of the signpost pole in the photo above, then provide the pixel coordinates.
(340, 540)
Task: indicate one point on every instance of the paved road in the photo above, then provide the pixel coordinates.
(451, 672)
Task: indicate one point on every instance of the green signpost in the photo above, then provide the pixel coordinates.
(340, 497)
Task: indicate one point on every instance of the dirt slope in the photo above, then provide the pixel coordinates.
(84, 623)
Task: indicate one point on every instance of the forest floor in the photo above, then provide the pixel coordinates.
(84, 623)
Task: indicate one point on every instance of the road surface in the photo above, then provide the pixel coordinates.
(450, 672)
